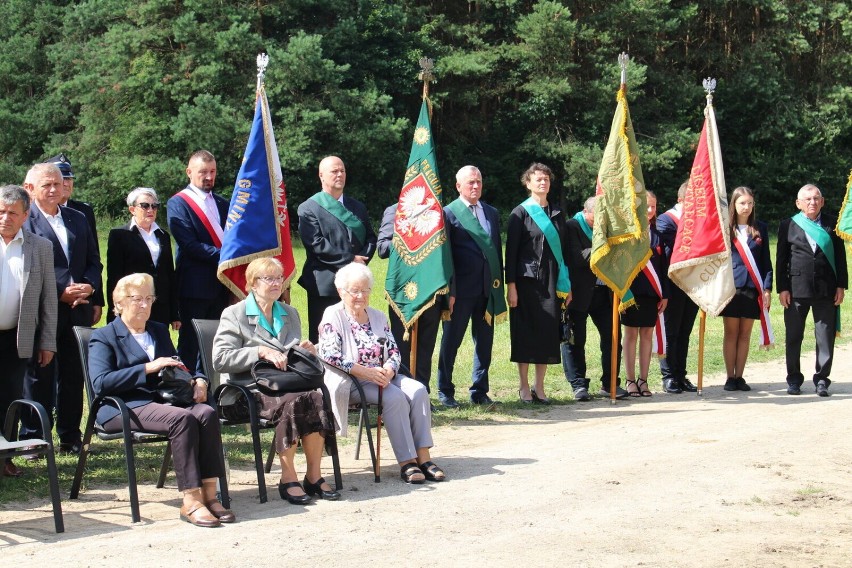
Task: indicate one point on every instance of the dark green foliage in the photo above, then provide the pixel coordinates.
(129, 89)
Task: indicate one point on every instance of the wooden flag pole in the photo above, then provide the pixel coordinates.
(613, 358)
(702, 322)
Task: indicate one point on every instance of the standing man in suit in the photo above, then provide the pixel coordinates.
(428, 322)
(591, 298)
(476, 289)
(27, 301)
(811, 275)
(196, 218)
(64, 165)
(680, 311)
(77, 268)
(335, 231)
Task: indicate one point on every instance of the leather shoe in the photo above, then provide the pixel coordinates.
(316, 489)
(11, 470)
(302, 499)
(196, 516)
(485, 400)
(731, 384)
(70, 448)
(687, 386)
(33, 457)
(793, 389)
(742, 385)
(822, 389)
(220, 512)
(447, 401)
(672, 386)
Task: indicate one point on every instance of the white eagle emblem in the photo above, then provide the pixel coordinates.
(418, 215)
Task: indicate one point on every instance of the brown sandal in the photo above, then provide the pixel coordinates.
(199, 516)
(642, 384)
(220, 512)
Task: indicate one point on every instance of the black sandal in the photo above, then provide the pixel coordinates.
(432, 472)
(643, 388)
(408, 471)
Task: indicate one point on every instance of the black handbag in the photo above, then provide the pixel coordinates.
(176, 386)
(304, 372)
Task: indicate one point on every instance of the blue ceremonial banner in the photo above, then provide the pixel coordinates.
(257, 224)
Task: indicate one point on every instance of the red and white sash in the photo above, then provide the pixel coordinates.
(674, 214)
(212, 227)
(767, 336)
(659, 345)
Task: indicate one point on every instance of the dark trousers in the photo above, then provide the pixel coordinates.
(600, 311)
(60, 384)
(466, 310)
(12, 374)
(195, 308)
(825, 320)
(194, 433)
(316, 308)
(680, 318)
(427, 335)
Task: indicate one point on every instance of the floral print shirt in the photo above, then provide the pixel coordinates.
(370, 350)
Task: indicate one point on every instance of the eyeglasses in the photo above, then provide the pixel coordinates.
(147, 206)
(138, 300)
(358, 293)
(271, 279)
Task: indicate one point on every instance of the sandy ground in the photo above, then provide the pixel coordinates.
(748, 479)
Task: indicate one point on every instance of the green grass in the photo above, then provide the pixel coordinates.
(106, 467)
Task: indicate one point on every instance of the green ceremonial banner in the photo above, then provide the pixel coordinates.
(620, 241)
(844, 220)
(420, 262)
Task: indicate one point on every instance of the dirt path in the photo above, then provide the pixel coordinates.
(753, 479)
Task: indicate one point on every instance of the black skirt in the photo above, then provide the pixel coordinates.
(743, 305)
(295, 415)
(642, 314)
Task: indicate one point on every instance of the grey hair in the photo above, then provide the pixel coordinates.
(466, 169)
(589, 204)
(137, 192)
(807, 187)
(352, 272)
(41, 169)
(11, 194)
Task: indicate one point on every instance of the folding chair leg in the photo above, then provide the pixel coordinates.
(131, 473)
(84, 454)
(224, 495)
(370, 442)
(164, 469)
(52, 477)
(258, 461)
(271, 455)
(335, 462)
(361, 421)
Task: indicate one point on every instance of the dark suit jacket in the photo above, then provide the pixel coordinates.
(127, 253)
(526, 247)
(667, 231)
(471, 274)
(84, 264)
(117, 364)
(578, 252)
(803, 272)
(384, 241)
(760, 252)
(197, 257)
(329, 244)
(89, 213)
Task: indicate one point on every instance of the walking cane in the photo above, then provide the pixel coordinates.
(377, 472)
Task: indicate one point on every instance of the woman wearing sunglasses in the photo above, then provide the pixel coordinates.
(143, 246)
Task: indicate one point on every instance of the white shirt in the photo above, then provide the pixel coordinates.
(208, 205)
(11, 280)
(150, 238)
(58, 225)
(145, 342)
(480, 214)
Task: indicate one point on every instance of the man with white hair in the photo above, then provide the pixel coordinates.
(476, 289)
(811, 274)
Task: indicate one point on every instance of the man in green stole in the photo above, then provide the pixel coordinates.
(476, 289)
(335, 231)
(811, 274)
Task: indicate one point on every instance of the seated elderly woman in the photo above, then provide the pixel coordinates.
(260, 327)
(125, 357)
(356, 338)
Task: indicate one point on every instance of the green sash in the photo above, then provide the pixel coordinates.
(496, 307)
(343, 215)
(823, 240)
(583, 224)
(543, 222)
